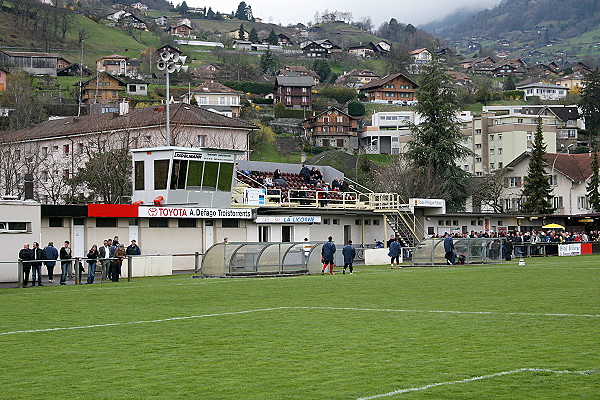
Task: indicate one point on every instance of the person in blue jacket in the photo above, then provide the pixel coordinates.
(449, 249)
(50, 253)
(349, 252)
(394, 253)
(328, 254)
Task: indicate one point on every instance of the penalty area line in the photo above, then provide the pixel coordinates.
(476, 378)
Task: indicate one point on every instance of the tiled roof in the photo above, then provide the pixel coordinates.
(181, 114)
(386, 79)
(214, 87)
(577, 167)
(300, 81)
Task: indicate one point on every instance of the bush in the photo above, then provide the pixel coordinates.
(281, 112)
(341, 94)
(251, 87)
(513, 94)
(356, 109)
(262, 101)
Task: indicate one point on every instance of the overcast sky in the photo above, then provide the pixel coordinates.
(406, 11)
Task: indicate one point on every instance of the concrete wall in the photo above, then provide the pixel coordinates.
(12, 241)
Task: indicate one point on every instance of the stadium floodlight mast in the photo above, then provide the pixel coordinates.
(170, 62)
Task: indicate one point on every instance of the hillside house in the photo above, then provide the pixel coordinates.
(216, 97)
(391, 89)
(545, 91)
(333, 128)
(236, 34)
(299, 70)
(368, 50)
(205, 71)
(419, 57)
(104, 88)
(180, 30)
(320, 48)
(161, 21)
(294, 91)
(356, 78)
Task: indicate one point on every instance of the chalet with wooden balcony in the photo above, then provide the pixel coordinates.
(294, 91)
(391, 89)
(333, 128)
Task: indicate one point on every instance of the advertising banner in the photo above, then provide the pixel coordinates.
(572, 249)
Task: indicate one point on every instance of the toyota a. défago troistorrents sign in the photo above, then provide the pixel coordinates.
(194, 212)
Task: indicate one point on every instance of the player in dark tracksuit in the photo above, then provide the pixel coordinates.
(349, 252)
(328, 253)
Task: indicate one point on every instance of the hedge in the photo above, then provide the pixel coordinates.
(262, 101)
(291, 113)
(251, 87)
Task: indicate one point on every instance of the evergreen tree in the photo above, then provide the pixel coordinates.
(437, 140)
(253, 37)
(593, 188)
(321, 67)
(590, 104)
(210, 14)
(510, 83)
(537, 191)
(267, 62)
(241, 11)
(242, 33)
(272, 39)
(183, 8)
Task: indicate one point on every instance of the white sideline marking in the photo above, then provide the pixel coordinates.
(296, 308)
(476, 378)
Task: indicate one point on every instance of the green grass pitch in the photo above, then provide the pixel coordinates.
(379, 332)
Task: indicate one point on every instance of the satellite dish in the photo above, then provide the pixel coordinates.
(165, 56)
(161, 65)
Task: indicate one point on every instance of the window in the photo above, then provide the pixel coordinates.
(55, 222)
(367, 222)
(158, 222)
(492, 165)
(499, 137)
(79, 221)
(514, 181)
(440, 222)
(340, 119)
(66, 150)
(500, 165)
(477, 159)
(221, 101)
(491, 138)
(106, 222)
(478, 145)
(492, 152)
(582, 203)
(473, 222)
(45, 176)
(230, 223)
(304, 99)
(336, 221)
(138, 167)
(326, 221)
(325, 142)
(557, 202)
(375, 222)
(186, 223)
(478, 131)
(340, 142)
(357, 222)
(519, 120)
(134, 222)
(553, 180)
(325, 120)
(303, 90)
(44, 152)
(201, 140)
(529, 136)
(500, 150)
(54, 148)
(19, 226)
(178, 174)
(66, 173)
(161, 173)
(340, 129)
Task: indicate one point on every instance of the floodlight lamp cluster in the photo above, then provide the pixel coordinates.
(171, 62)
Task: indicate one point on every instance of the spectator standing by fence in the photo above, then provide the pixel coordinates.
(133, 249)
(92, 260)
(116, 264)
(26, 255)
(50, 253)
(65, 254)
(36, 267)
(104, 253)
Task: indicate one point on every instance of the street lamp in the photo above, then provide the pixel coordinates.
(170, 62)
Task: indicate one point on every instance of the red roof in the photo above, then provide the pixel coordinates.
(577, 167)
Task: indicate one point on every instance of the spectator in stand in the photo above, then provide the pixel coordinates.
(278, 178)
(120, 254)
(318, 176)
(269, 182)
(26, 255)
(344, 186)
(50, 253)
(115, 241)
(305, 173)
(335, 185)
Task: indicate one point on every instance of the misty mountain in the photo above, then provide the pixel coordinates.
(560, 18)
(442, 27)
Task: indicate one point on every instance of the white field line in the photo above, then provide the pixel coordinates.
(295, 308)
(476, 378)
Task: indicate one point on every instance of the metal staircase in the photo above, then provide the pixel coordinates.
(406, 233)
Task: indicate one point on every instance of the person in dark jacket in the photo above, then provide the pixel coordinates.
(305, 173)
(26, 255)
(449, 249)
(328, 254)
(65, 254)
(133, 249)
(349, 252)
(36, 267)
(50, 253)
(394, 253)
(92, 260)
